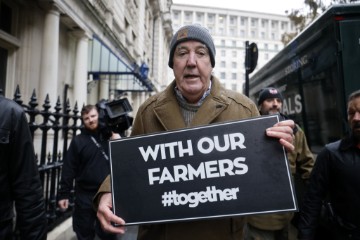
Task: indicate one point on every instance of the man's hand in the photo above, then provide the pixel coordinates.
(63, 204)
(115, 136)
(284, 131)
(106, 216)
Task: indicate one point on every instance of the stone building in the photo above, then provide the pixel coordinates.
(230, 29)
(84, 50)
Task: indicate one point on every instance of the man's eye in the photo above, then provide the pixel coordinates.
(201, 53)
(181, 53)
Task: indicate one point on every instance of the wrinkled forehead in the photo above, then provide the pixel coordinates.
(191, 44)
(354, 103)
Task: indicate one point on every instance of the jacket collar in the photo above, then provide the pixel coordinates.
(347, 143)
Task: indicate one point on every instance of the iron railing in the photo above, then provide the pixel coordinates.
(51, 132)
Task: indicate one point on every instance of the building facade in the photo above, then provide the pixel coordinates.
(84, 50)
(231, 29)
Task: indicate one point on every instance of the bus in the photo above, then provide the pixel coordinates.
(316, 72)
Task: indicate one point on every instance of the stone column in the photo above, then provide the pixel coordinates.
(50, 57)
(80, 70)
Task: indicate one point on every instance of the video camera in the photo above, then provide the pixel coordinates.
(113, 117)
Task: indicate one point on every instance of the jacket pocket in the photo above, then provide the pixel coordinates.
(4, 136)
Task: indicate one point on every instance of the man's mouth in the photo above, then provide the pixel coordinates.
(190, 76)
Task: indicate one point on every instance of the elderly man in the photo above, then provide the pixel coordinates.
(194, 98)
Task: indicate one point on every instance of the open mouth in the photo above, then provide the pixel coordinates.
(191, 76)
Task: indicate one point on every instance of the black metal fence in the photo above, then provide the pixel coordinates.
(52, 131)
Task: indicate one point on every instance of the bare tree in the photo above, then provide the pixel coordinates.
(300, 18)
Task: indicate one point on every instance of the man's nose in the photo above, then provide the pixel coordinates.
(357, 116)
(192, 59)
(276, 102)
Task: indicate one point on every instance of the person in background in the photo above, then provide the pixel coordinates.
(301, 160)
(20, 184)
(335, 184)
(194, 98)
(86, 162)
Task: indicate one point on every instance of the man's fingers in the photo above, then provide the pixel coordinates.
(107, 218)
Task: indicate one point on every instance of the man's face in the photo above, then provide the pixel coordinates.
(91, 119)
(271, 106)
(192, 69)
(354, 117)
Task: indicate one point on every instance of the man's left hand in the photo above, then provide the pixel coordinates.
(284, 131)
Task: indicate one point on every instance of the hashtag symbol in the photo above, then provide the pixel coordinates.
(167, 198)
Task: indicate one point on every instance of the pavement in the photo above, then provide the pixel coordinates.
(65, 232)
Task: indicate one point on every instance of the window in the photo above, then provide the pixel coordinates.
(264, 23)
(188, 16)
(176, 15)
(234, 65)
(222, 75)
(221, 31)
(223, 53)
(232, 32)
(234, 87)
(223, 64)
(233, 76)
(243, 21)
(211, 29)
(6, 17)
(233, 43)
(234, 53)
(266, 46)
(242, 33)
(284, 25)
(222, 19)
(199, 17)
(3, 65)
(274, 24)
(211, 18)
(254, 22)
(262, 35)
(233, 20)
(223, 43)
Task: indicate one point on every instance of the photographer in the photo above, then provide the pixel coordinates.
(86, 162)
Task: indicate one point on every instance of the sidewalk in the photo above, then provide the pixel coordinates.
(64, 232)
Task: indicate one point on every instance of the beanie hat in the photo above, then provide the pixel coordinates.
(192, 32)
(267, 93)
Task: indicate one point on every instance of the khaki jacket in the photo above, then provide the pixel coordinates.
(301, 162)
(161, 112)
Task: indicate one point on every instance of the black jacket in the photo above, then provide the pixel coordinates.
(19, 177)
(336, 176)
(85, 163)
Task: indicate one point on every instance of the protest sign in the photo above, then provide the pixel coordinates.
(217, 170)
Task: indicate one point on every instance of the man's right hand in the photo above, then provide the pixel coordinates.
(107, 218)
(63, 204)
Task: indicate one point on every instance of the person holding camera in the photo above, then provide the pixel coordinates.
(86, 162)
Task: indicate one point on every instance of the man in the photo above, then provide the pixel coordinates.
(86, 162)
(194, 98)
(301, 160)
(336, 179)
(20, 184)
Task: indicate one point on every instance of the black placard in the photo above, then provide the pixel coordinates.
(212, 171)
